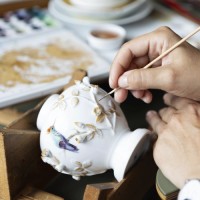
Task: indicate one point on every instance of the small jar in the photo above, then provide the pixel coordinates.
(98, 5)
(106, 37)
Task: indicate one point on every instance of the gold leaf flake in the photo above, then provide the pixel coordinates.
(112, 108)
(79, 169)
(46, 153)
(100, 118)
(97, 110)
(85, 132)
(100, 113)
(80, 138)
(78, 163)
(91, 126)
(74, 101)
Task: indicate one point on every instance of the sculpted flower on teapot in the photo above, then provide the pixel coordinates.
(83, 136)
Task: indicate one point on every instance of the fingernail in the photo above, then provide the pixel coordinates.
(146, 99)
(123, 82)
(150, 113)
(165, 96)
(111, 82)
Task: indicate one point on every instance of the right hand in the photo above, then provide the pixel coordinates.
(177, 73)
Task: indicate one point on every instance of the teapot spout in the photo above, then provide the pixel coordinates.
(130, 147)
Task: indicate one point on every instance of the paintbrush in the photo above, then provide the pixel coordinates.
(161, 56)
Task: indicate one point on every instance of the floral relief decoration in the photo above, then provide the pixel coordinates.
(84, 132)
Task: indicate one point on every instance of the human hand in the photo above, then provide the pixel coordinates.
(174, 73)
(177, 149)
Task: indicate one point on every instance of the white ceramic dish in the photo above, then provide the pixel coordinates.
(96, 4)
(112, 13)
(106, 37)
(136, 16)
(21, 91)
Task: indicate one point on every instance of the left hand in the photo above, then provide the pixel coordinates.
(177, 149)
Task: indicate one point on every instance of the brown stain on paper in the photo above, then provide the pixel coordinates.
(9, 62)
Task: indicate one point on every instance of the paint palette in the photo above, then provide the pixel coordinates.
(35, 66)
(25, 22)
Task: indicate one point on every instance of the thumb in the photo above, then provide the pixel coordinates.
(152, 78)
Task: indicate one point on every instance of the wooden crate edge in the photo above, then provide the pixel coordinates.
(4, 184)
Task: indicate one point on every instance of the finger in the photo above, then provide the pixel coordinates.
(176, 102)
(136, 48)
(120, 64)
(147, 98)
(144, 95)
(140, 62)
(155, 122)
(151, 45)
(134, 64)
(120, 95)
(154, 136)
(166, 113)
(142, 79)
(138, 94)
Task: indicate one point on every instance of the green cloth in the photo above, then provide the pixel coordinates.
(165, 186)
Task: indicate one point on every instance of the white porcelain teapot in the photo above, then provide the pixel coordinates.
(83, 136)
